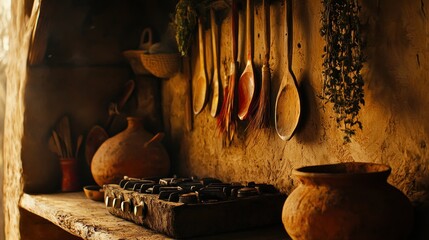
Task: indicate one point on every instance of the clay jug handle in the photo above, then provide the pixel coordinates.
(157, 138)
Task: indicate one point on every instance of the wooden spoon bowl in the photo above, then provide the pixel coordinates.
(246, 83)
(199, 97)
(246, 86)
(288, 108)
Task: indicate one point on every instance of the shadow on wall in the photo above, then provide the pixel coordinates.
(399, 83)
(398, 86)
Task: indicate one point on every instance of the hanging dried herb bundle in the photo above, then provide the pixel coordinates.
(185, 19)
(185, 22)
(343, 61)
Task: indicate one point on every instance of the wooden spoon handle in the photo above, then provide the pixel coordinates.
(266, 17)
(214, 39)
(289, 38)
(249, 17)
(234, 30)
(60, 147)
(201, 45)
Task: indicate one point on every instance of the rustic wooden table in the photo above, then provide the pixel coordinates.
(90, 220)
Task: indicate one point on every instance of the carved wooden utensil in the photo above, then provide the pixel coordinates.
(199, 88)
(214, 106)
(288, 103)
(246, 83)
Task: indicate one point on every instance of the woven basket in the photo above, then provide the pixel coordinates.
(163, 65)
(133, 56)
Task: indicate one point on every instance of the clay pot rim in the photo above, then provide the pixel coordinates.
(343, 170)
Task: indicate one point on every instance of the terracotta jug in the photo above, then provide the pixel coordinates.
(346, 201)
(133, 152)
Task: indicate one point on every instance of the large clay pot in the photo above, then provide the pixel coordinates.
(346, 201)
(133, 152)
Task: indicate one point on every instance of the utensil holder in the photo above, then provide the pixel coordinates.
(70, 175)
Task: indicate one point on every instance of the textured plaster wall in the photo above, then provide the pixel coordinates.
(395, 127)
(395, 116)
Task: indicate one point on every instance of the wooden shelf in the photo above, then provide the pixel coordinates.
(90, 220)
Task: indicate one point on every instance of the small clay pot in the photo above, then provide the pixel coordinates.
(346, 201)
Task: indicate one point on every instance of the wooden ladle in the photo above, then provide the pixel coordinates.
(199, 87)
(288, 103)
(246, 83)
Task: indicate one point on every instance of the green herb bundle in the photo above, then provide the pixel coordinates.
(343, 62)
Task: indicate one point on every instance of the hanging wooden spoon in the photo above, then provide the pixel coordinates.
(199, 88)
(246, 83)
(214, 106)
(288, 103)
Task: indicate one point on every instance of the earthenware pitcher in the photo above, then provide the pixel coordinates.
(133, 152)
(346, 201)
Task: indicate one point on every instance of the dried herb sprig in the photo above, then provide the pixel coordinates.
(343, 62)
